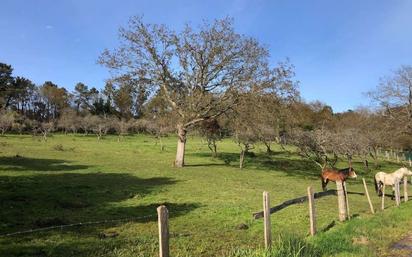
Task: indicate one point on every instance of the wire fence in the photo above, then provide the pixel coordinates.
(87, 223)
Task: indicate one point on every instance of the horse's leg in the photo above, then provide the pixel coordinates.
(393, 193)
(323, 183)
(380, 186)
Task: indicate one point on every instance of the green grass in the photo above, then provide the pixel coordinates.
(75, 178)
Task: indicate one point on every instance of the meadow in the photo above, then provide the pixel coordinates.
(74, 178)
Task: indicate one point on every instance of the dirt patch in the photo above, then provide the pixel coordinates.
(402, 247)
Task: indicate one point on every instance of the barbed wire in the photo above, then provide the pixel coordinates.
(29, 231)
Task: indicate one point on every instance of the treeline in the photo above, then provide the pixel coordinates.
(26, 107)
(214, 82)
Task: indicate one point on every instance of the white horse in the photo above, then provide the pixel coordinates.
(389, 179)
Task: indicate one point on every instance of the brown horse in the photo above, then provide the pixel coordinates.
(336, 175)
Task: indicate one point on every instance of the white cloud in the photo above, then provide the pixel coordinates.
(49, 27)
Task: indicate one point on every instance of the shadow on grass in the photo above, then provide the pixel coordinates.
(268, 162)
(20, 163)
(292, 165)
(56, 199)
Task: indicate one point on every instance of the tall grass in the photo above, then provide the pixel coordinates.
(283, 246)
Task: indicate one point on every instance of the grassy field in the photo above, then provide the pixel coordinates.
(74, 178)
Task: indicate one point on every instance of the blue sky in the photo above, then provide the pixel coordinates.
(340, 48)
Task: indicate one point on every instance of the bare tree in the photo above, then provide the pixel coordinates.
(45, 128)
(68, 121)
(86, 123)
(199, 71)
(394, 94)
(314, 145)
(121, 127)
(99, 125)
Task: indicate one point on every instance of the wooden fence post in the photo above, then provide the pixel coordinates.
(266, 220)
(367, 196)
(383, 197)
(397, 191)
(312, 213)
(346, 199)
(163, 216)
(405, 189)
(410, 162)
(341, 201)
(397, 157)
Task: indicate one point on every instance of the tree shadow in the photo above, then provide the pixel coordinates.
(20, 163)
(290, 164)
(263, 161)
(204, 165)
(328, 227)
(38, 201)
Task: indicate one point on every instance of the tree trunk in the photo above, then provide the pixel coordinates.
(268, 149)
(162, 148)
(242, 158)
(181, 144)
(211, 144)
(214, 149)
(366, 164)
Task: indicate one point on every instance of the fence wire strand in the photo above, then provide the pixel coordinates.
(29, 231)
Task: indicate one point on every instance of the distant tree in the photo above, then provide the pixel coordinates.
(99, 125)
(6, 85)
(55, 99)
(394, 94)
(314, 145)
(45, 128)
(245, 137)
(7, 120)
(159, 127)
(159, 119)
(212, 131)
(270, 103)
(23, 91)
(86, 123)
(123, 100)
(199, 72)
(68, 121)
(121, 126)
(243, 125)
(81, 97)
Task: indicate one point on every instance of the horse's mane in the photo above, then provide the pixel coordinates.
(346, 170)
